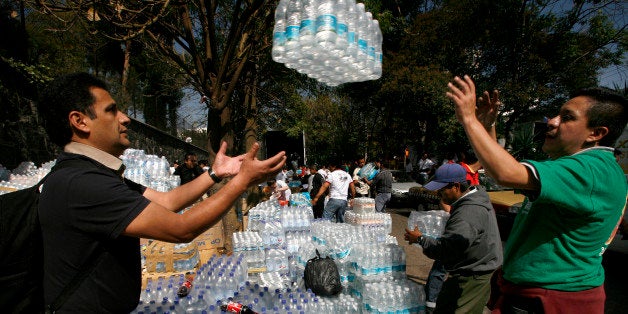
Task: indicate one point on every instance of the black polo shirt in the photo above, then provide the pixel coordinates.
(80, 209)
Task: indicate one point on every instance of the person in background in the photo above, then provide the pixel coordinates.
(189, 170)
(174, 166)
(204, 164)
(282, 175)
(574, 201)
(339, 184)
(88, 209)
(382, 185)
(471, 165)
(361, 187)
(280, 189)
(470, 247)
(316, 184)
(425, 168)
(409, 168)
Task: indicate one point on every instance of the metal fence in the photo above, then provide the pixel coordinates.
(156, 142)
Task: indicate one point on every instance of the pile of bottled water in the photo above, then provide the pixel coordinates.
(251, 245)
(431, 223)
(263, 212)
(25, 175)
(363, 205)
(332, 41)
(369, 220)
(149, 170)
(297, 218)
(266, 270)
(396, 296)
(223, 279)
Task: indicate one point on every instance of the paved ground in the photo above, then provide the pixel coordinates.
(615, 264)
(417, 264)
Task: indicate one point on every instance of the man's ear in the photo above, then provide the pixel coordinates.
(78, 121)
(597, 133)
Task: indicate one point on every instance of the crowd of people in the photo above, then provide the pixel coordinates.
(551, 262)
(332, 187)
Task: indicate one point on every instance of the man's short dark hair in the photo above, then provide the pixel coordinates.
(64, 94)
(608, 108)
(188, 155)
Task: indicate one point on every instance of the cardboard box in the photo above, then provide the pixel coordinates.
(212, 238)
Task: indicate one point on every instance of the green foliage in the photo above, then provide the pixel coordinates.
(524, 145)
(34, 74)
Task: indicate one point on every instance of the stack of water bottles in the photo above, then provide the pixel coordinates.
(332, 41)
(250, 244)
(149, 170)
(363, 205)
(370, 220)
(431, 223)
(369, 171)
(25, 175)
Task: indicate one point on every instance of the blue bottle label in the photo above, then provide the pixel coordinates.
(341, 29)
(292, 32)
(307, 27)
(351, 37)
(326, 22)
(362, 45)
(279, 38)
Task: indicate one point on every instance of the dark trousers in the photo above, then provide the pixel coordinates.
(319, 207)
(464, 294)
(434, 282)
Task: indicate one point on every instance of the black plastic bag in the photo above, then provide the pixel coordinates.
(321, 276)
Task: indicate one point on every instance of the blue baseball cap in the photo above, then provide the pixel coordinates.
(445, 174)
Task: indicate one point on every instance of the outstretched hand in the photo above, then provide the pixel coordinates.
(258, 171)
(225, 166)
(462, 93)
(488, 108)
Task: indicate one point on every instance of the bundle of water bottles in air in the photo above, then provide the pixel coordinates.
(332, 41)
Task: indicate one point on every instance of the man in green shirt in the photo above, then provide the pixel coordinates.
(575, 200)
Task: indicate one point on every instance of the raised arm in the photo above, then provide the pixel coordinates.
(157, 222)
(185, 195)
(500, 165)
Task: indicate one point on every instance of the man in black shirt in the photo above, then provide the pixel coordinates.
(317, 183)
(90, 208)
(189, 170)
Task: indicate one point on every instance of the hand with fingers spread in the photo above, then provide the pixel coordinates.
(225, 166)
(462, 93)
(256, 171)
(487, 108)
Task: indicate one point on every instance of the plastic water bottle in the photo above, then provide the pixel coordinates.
(307, 36)
(293, 24)
(340, 46)
(362, 33)
(349, 58)
(279, 32)
(378, 41)
(326, 25)
(370, 49)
